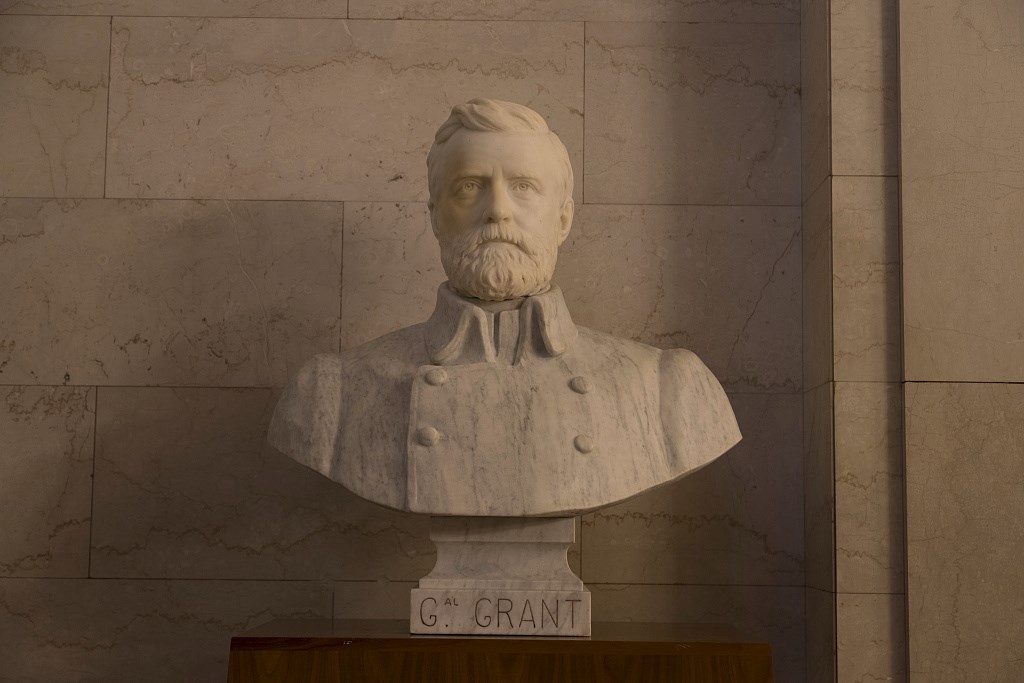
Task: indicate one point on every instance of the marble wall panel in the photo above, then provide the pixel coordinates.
(864, 82)
(318, 109)
(721, 281)
(769, 614)
(817, 301)
(819, 488)
(815, 96)
(962, 90)
(391, 272)
(871, 638)
(46, 456)
(184, 8)
(186, 487)
(869, 487)
(53, 85)
(166, 292)
(769, 11)
(820, 636)
(737, 521)
(154, 631)
(965, 531)
(372, 599)
(866, 278)
(692, 114)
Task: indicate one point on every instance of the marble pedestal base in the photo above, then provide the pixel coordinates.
(501, 576)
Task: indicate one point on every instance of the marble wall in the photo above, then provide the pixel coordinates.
(196, 197)
(851, 338)
(962, 104)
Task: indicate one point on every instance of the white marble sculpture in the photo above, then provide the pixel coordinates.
(499, 405)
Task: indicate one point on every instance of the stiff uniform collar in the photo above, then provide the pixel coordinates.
(461, 331)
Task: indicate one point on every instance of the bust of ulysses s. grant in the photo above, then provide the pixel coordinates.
(498, 404)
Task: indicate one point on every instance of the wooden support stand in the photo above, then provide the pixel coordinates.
(384, 652)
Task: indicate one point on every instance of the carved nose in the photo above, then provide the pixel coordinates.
(498, 209)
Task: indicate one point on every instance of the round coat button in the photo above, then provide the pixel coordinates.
(427, 436)
(583, 443)
(580, 385)
(436, 376)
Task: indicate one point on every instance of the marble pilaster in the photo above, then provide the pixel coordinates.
(852, 339)
(964, 530)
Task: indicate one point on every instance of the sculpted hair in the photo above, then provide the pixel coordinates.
(494, 116)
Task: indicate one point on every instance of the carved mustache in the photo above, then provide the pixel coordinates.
(494, 232)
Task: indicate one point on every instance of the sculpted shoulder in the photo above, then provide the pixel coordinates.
(697, 419)
(309, 423)
(696, 414)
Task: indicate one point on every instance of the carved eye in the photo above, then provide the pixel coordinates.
(522, 186)
(468, 187)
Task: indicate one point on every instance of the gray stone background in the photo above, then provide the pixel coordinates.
(198, 196)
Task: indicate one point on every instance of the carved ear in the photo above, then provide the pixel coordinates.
(565, 219)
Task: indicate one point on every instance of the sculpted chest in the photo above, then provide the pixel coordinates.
(541, 436)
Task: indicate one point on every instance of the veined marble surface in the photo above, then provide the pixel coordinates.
(182, 8)
(184, 124)
(502, 553)
(211, 500)
(46, 460)
(692, 113)
(965, 530)
(962, 170)
(53, 85)
(124, 292)
(768, 11)
(156, 631)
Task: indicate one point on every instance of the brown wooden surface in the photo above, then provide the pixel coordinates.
(354, 652)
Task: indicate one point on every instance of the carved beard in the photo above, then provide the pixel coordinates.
(498, 262)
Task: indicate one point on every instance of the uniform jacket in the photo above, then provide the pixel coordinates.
(510, 413)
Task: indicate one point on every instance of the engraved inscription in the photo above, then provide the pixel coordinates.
(527, 613)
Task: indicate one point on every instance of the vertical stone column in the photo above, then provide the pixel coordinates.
(853, 495)
(962, 135)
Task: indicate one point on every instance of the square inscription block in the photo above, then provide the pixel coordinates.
(500, 612)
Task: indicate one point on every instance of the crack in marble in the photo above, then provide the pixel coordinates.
(765, 154)
(18, 61)
(516, 68)
(736, 74)
(770, 279)
(694, 523)
(256, 290)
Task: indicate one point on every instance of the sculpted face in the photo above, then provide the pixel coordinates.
(500, 213)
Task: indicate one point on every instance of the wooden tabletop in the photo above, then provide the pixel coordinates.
(350, 650)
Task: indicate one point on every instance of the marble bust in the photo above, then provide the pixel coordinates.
(499, 404)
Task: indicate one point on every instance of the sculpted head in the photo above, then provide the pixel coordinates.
(500, 199)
